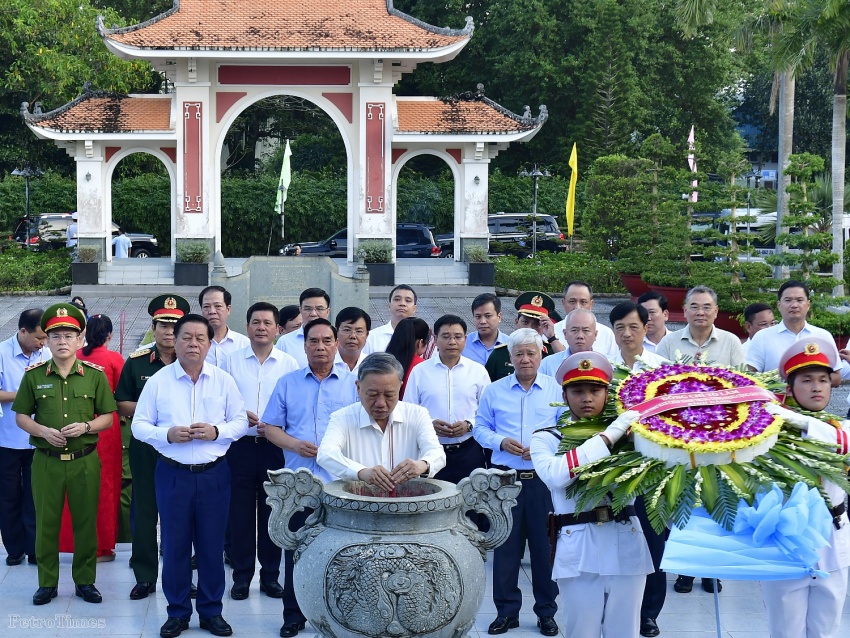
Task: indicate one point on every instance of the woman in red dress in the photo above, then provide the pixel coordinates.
(96, 350)
(409, 341)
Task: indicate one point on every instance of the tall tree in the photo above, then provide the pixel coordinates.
(825, 25)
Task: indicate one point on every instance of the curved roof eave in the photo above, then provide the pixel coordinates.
(66, 136)
(454, 138)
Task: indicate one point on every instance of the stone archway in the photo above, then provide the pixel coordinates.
(455, 170)
(112, 164)
(322, 103)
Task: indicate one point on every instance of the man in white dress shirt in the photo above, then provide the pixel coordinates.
(656, 305)
(630, 321)
(757, 317)
(314, 303)
(190, 412)
(256, 369)
(381, 441)
(215, 306)
(352, 326)
(449, 386)
(402, 304)
(578, 294)
(580, 331)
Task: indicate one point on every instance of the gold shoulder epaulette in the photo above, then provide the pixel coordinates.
(92, 365)
(501, 345)
(35, 365)
(140, 353)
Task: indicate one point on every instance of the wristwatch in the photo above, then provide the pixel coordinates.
(468, 425)
(427, 469)
(552, 338)
(88, 427)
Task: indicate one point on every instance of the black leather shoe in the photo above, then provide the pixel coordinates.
(502, 624)
(32, 560)
(216, 625)
(548, 626)
(708, 585)
(173, 627)
(142, 590)
(11, 561)
(239, 591)
(193, 591)
(43, 595)
(649, 628)
(291, 629)
(272, 589)
(88, 593)
(683, 584)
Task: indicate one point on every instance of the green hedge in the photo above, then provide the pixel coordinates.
(550, 272)
(24, 270)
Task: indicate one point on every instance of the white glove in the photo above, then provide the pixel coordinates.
(617, 429)
(791, 418)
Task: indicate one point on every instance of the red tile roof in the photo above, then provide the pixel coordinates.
(107, 113)
(274, 25)
(459, 116)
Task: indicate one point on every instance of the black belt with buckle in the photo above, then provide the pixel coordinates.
(599, 515)
(454, 447)
(69, 456)
(836, 512)
(260, 439)
(195, 468)
(522, 475)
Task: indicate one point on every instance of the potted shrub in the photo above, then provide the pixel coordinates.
(85, 269)
(377, 254)
(192, 265)
(837, 323)
(667, 279)
(630, 270)
(482, 271)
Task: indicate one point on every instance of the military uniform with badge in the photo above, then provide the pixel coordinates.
(68, 410)
(532, 305)
(140, 367)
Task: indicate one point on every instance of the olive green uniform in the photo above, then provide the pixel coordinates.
(499, 363)
(140, 367)
(72, 470)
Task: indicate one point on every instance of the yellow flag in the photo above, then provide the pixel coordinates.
(571, 195)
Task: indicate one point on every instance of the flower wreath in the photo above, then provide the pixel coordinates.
(694, 450)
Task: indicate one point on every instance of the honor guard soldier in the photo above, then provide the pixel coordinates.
(601, 559)
(164, 310)
(70, 402)
(535, 310)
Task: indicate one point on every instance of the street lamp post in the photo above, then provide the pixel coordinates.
(535, 175)
(26, 173)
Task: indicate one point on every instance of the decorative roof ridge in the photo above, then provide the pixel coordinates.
(37, 116)
(478, 96)
(467, 30)
(103, 31)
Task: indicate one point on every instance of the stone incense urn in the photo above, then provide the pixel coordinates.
(406, 563)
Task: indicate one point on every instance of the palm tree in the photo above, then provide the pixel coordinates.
(825, 25)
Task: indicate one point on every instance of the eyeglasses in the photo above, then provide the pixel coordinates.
(360, 332)
(310, 309)
(705, 307)
(62, 337)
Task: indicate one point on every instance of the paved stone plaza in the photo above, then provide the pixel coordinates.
(684, 615)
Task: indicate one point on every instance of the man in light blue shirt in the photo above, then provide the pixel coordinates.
(511, 409)
(580, 332)
(122, 244)
(296, 418)
(17, 512)
(486, 315)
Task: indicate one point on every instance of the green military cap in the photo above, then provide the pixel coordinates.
(168, 308)
(536, 305)
(63, 315)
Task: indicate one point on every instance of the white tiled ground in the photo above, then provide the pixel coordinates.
(684, 615)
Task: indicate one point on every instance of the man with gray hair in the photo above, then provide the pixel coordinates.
(580, 331)
(381, 441)
(509, 412)
(700, 338)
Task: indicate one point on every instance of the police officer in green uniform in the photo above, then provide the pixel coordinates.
(71, 402)
(164, 310)
(535, 310)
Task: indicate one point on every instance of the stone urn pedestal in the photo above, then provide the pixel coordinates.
(377, 564)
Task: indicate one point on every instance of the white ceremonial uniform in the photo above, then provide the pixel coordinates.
(811, 607)
(600, 569)
(232, 342)
(449, 394)
(605, 342)
(353, 441)
(256, 381)
(379, 338)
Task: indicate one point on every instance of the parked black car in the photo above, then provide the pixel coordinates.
(412, 240)
(515, 232)
(48, 232)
